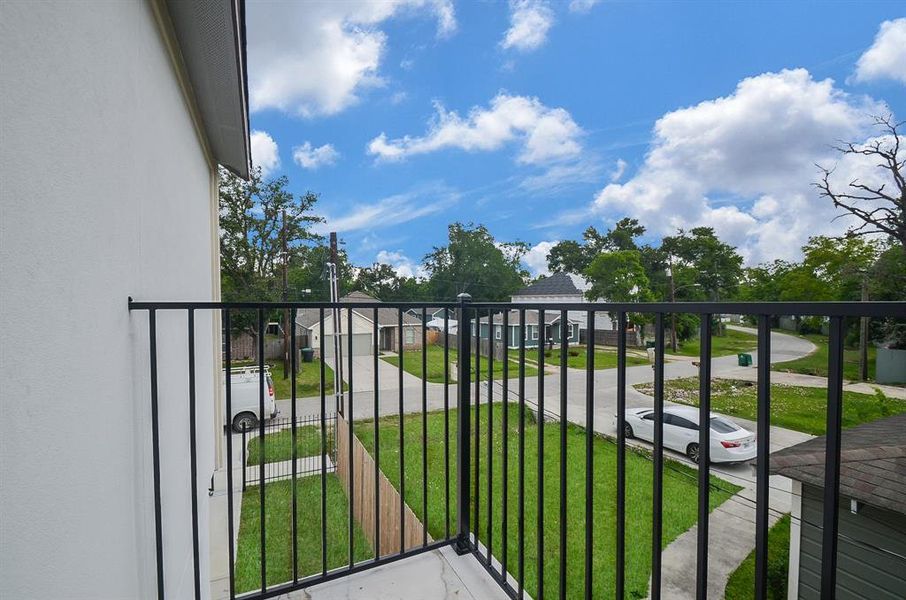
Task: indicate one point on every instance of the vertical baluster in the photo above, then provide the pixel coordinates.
(762, 483)
(520, 522)
(447, 423)
(542, 331)
(589, 447)
(505, 436)
(477, 525)
(155, 453)
(193, 455)
(490, 486)
(375, 336)
(704, 455)
(620, 579)
(350, 437)
(228, 428)
(261, 450)
(324, 439)
(832, 460)
(564, 356)
(424, 427)
(658, 491)
(402, 456)
(294, 367)
(464, 436)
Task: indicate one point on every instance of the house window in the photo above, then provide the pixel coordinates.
(409, 335)
(498, 332)
(534, 331)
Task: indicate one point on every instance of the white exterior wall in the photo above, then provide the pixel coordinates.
(106, 192)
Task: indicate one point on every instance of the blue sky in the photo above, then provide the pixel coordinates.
(538, 119)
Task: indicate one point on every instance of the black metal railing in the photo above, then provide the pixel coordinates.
(483, 392)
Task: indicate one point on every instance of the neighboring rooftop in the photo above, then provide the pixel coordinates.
(558, 284)
(872, 463)
(387, 317)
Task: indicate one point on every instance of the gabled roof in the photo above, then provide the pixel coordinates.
(387, 317)
(872, 463)
(558, 284)
(531, 318)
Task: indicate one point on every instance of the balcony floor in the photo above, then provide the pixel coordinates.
(436, 574)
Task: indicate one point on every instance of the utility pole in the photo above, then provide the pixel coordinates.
(863, 335)
(287, 351)
(672, 314)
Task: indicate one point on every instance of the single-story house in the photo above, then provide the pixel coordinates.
(872, 516)
(564, 287)
(389, 335)
(434, 318)
(532, 329)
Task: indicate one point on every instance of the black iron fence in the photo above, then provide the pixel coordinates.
(486, 388)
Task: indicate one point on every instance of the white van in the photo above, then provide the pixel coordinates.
(244, 398)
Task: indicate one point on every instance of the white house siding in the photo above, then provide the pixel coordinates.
(106, 193)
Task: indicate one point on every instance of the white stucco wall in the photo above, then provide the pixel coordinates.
(105, 193)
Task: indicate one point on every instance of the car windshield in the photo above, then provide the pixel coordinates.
(723, 426)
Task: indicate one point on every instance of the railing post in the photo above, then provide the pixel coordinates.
(463, 432)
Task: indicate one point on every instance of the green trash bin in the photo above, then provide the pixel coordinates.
(649, 344)
(745, 360)
(308, 354)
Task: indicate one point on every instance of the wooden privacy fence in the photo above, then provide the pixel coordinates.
(245, 347)
(364, 501)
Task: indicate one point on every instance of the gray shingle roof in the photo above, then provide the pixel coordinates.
(872, 463)
(558, 284)
(387, 317)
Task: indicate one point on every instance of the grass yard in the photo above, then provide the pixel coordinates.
(679, 508)
(731, 342)
(816, 362)
(793, 407)
(412, 363)
(278, 532)
(741, 585)
(279, 446)
(577, 355)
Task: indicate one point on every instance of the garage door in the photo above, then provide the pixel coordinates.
(361, 344)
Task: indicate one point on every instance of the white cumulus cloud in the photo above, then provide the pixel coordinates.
(536, 258)
(886, 59)
(402, 264)
(315, 58)
(544, 134)
(309, 157)
(618, 170)
(265, 153)
(744, 164)
(530, 21)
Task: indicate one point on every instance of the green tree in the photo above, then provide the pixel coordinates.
(384, 283)
(717, 266)
(473, 262)
(618, 276)
(570, 256)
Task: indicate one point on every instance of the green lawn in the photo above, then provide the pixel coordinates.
(816, 362)
(278, 532)
(741, 585)
(279, 446)
(793, 407)
(307, 379)
(412, 363)
(577, 355)
(679, 508)
(731, 342)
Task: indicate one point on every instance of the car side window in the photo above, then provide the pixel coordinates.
(649, 417)
(682, 422)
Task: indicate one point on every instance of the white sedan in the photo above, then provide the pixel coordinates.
(730, 443)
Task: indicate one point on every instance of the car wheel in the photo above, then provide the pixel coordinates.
(693, 453)
(244, 421)
(627, 431)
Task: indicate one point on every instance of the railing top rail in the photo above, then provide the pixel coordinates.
(822, 309)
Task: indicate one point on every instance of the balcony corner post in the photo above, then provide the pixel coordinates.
(462, 545)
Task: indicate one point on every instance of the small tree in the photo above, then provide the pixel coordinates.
(880, 207)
